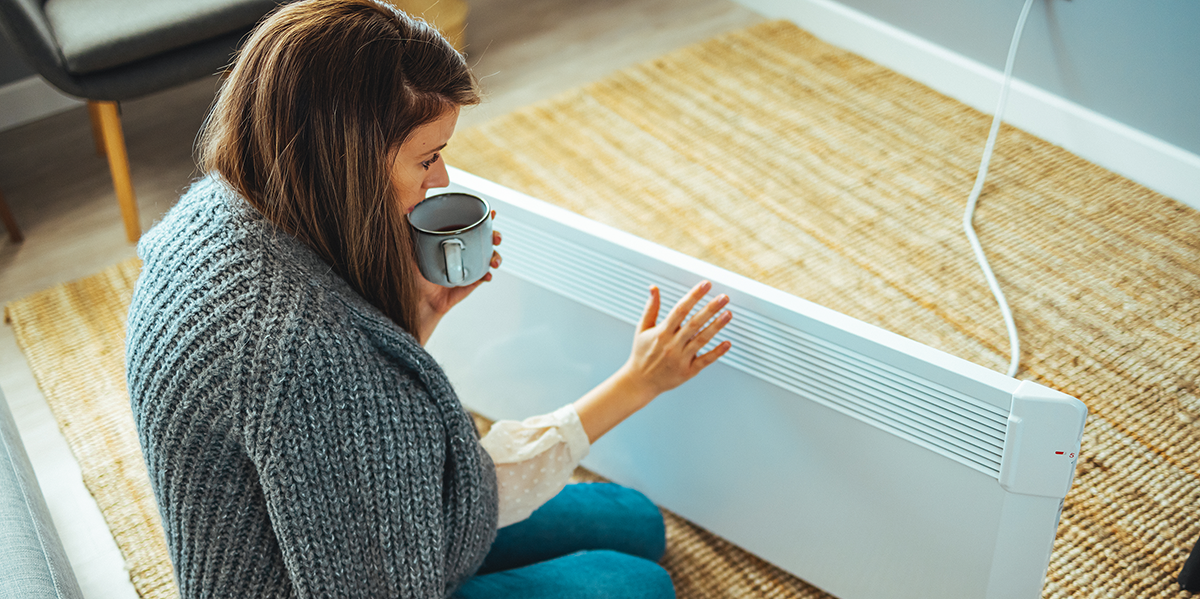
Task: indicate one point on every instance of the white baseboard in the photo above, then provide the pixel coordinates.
(1148, 160)
(27, 100)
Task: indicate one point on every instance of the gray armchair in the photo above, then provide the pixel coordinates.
(32, 561)
(108, 51)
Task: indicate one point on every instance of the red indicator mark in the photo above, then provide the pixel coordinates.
(1058, 453)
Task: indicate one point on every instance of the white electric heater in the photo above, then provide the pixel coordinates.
(863, 462)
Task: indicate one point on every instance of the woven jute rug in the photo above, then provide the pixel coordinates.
(774, 155)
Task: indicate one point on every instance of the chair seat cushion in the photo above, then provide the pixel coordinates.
(101, 34)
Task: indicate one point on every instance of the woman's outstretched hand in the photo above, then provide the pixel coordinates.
(436, 301)
(665, 355)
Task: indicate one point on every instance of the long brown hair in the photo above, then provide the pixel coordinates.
(319, 99)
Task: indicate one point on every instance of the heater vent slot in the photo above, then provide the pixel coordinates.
(936, 417)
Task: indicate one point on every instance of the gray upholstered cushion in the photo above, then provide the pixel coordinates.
(101, 34)
(32, 561)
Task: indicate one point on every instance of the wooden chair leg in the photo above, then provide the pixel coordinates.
(118, 165)
(10, 223)
(97, 132)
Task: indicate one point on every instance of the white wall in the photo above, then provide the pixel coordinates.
(1137, 62)
(1114, 81)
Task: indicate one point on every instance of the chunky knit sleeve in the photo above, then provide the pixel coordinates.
(350, 453)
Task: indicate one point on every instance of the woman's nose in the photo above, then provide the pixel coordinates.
(437, 175)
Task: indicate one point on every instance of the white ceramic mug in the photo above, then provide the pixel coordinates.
(453, 236)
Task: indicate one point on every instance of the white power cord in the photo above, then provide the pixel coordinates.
(969, 227)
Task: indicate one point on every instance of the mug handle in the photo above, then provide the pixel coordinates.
(452, 249)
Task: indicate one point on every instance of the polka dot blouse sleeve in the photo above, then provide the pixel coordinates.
(534, 459)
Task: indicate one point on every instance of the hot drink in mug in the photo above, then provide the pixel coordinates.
(453, 237)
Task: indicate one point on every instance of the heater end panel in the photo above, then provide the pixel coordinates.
(1041, 446)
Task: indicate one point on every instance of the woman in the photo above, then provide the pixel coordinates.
(299, 439)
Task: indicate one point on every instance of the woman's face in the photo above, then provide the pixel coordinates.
(418, 165)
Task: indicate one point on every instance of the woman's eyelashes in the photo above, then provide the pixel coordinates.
(428, 163)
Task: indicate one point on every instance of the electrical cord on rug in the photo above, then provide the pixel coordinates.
(968, 217)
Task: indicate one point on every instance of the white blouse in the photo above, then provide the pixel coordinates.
(534, 459)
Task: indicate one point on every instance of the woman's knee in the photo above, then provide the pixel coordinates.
(616, 574)
(629, 511)
(582, 517)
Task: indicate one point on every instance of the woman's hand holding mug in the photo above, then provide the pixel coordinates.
(437, 300)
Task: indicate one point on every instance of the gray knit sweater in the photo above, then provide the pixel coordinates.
(299, 443)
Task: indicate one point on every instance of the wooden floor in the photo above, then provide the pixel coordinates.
(61, 194)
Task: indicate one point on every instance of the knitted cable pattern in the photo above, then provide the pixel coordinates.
(299, 443)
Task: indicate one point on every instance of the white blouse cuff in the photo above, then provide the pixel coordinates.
(509, 441)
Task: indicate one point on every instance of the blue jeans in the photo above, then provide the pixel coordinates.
(592, 540)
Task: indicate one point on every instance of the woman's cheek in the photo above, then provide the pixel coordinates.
(410, 193)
